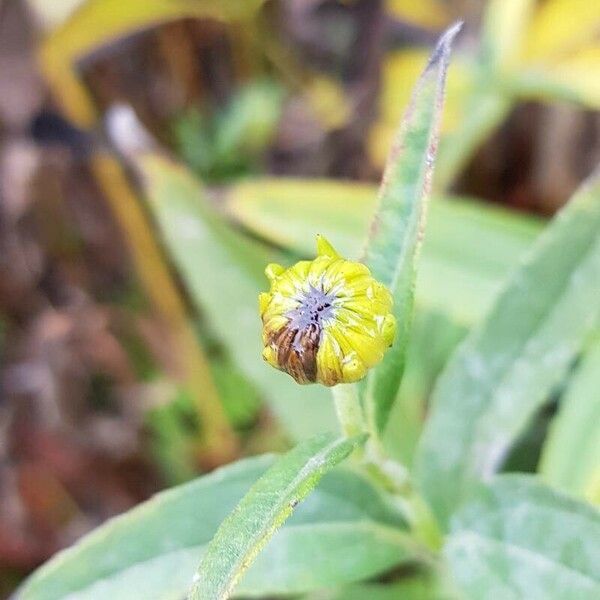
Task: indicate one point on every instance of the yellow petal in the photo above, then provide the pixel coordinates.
(348, 313)
(324, 248)
(273, 270)
(263, 302)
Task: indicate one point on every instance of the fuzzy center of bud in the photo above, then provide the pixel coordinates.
(315, 306)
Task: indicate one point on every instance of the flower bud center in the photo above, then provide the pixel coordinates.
(315, 306)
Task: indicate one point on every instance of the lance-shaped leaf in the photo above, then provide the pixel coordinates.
(223, 272)
(571, 454)
(519, 539)
(508, 365)
(263, 510)
(154, 549)
(398, 225)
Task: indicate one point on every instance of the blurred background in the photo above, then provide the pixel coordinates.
(124, 361)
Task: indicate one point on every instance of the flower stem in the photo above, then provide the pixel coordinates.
(396, 478)
(390, 474)
(349, 411)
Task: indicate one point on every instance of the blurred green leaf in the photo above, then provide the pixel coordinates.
(248, 122)
(290, 211)
(173, 435)
(223, 272)
(571, 455)
(239, 397)
(420, 586)
(398, 225)
(469, 247)
(154, 549)
(194, 140)
(231, 143)
(432, 339)
(508, 365)
(518, 539)
(266, 506)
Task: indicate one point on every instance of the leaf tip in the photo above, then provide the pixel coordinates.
(444, 45)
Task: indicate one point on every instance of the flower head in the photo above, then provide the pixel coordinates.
(325, 320)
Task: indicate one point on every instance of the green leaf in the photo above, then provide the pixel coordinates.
(397, 228)
(155, 548)
(223, 272)
(571, 454)
(432, 341)
(508, 365)
(263, 510)
(469, 248)
(519, 539)
(420, 586)
(146, 549)
(344, 532)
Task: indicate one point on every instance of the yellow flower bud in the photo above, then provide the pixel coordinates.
(325, 320)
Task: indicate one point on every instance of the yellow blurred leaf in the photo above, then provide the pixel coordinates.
(329, 102)
(100, 22)
(581, 73)
(426, 13)
(575, 79)
(560, 27)
(504, 25)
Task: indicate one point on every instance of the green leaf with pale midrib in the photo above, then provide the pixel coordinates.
(325, 555)
(571, 453)
(269, 502)
(131, 553)
(398, 224)
(522, 539)
(378, 548)
(507, 367)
